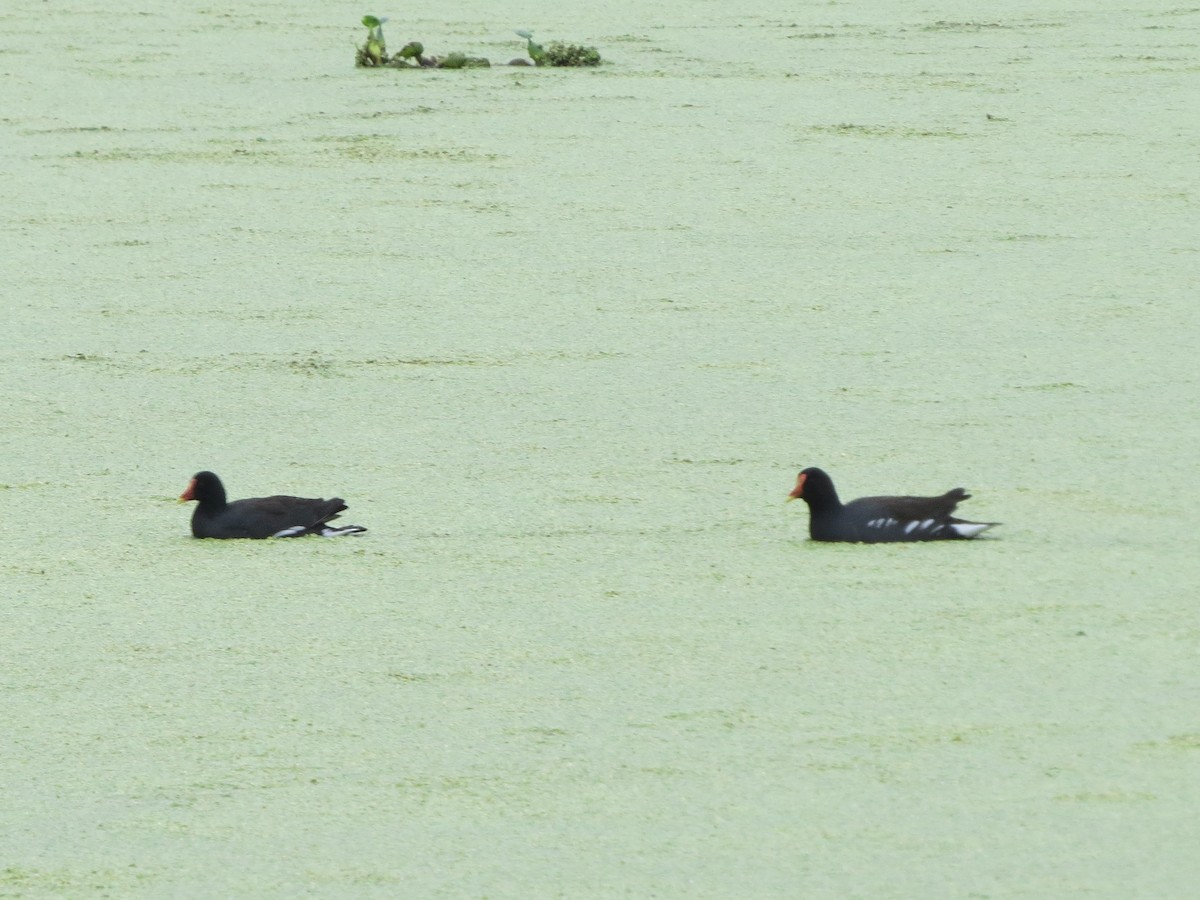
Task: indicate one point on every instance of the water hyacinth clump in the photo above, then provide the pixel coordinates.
(560, 54)
(458, 60)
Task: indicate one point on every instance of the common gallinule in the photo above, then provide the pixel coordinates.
(261, 517)
(877, 520)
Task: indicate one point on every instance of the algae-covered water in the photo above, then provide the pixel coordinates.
(562, 339)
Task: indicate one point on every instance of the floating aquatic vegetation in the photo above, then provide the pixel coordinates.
(461, 61)
(373, 53)
(535, 51)
(412, 50)
(560, 54)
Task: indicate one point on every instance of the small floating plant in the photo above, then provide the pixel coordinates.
(461, 61)
(535, 50)
(374, 51)
(412, 50)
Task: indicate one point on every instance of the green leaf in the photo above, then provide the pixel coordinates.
(370, 21)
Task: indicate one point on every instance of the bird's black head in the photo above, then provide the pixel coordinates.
(814, 487)
(205, 487)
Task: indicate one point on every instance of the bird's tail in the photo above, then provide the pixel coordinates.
(338, 531)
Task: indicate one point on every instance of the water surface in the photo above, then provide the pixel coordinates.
(562, 339)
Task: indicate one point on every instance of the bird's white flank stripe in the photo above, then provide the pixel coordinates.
(908, 529)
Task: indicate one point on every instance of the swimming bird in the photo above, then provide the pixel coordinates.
(259, 517)
(877, 520)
